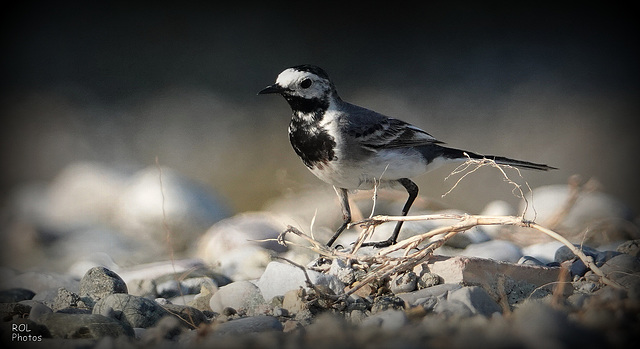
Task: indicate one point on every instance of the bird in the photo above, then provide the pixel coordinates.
(354, 148)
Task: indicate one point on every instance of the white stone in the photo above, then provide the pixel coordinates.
(278, 278)
(237, 295)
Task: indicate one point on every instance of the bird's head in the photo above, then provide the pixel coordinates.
(307, 88)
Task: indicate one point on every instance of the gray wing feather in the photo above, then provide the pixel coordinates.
(375, 130)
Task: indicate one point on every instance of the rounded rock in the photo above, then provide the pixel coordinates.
(405, 282)
(99, 282)
(263, 323)
(132, 310)
(237, 295)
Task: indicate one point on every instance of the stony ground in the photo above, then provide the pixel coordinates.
(110, 281)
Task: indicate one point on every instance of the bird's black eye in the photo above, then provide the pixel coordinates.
(305, 83)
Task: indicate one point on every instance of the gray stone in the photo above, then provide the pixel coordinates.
(247, 325)
(132, 310)
(516, 280)
(180, 287)
(236, 244)
(278, 278)
(405, 282)
(342, 271)
(83, 326)
(452, 308)
(604, 256)
(188, 316)
(237, 295)
(189, 208)
(528, 260)
(631, 247)
(14, 295)
(384, 303)
(429, 280)
(541, 326)
(294, 301)
(621, 265)
(577, 268)
(563, 253)
(476, 299)
(99, 282)
(38, 310)
(85, 193)
(591, 210)
(66, 299)
(167, 329)
(388, 320)
(9, 310)
(413, 298)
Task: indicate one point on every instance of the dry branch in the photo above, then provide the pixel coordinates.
(419, 247)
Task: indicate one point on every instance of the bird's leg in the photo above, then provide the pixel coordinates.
(412, 189)
(346, 213)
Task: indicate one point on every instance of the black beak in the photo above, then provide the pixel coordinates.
(275, 88)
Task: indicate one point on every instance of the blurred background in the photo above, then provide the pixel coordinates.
(121, 83)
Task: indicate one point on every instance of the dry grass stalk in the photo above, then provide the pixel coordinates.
(383, 264)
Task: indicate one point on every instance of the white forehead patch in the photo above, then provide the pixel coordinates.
(291, 76)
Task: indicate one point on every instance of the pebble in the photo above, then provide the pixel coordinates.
(467, 301)
(236, 244)
(294, 301)
(563, 253)
(187, 316)
(67, 299)
(630, 247)
(620, 265)
(83, 326)
(541, 326)
(383, 303)
(388, 320)
(269, 298)
(237, 295)
(405, 282)
(413, 298)
(528, 260)
(131, 310)
(342, 271)
(242, 326)
(188, 208)
(278, 278)
(14, 295)
(428, 280)
(590, 210)
(166, 330)
(99, 282)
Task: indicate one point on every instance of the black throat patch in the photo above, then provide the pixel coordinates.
(311, 142)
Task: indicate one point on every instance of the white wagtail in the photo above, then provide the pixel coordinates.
(351, 147)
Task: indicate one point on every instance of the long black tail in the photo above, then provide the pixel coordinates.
(455, 154)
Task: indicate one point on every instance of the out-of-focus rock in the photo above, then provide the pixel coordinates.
(605, 218)
(158, 200)
(235, 245)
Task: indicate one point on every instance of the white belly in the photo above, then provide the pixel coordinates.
(383, 167)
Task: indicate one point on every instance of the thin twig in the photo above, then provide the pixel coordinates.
(310, 284)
